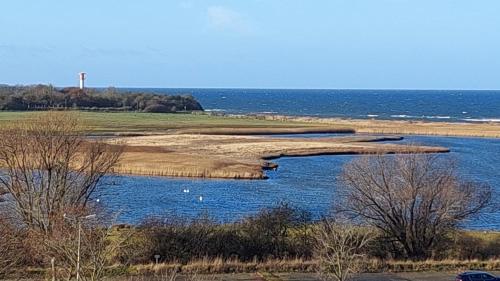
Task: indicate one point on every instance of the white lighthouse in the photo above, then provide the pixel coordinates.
(82, 80)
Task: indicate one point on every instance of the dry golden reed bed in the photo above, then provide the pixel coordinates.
(297, 265)
(218, 266)
(237, 157)
(203, 145)
(372, 126)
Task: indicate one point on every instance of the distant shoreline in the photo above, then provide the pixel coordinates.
(400, 127)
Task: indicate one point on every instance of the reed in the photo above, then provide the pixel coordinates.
(210, 267)
(220, 266)
(166, 171)
(238, 157)
(372, 126)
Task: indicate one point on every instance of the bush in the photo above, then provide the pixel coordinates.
(277, 232)
(158, 108)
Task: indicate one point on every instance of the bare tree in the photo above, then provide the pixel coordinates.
(49, 166)
(414, 199)
(340, 249)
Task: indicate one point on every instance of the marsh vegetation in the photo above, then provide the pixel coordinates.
(395, 212)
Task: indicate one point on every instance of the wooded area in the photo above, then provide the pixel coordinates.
(45, 97)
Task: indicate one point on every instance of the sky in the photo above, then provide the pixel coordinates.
(347, 44)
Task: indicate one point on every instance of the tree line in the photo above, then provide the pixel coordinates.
(45, 97)
(387, 207)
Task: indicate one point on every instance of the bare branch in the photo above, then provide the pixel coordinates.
(340, 249)
(50, 167)
(414, 199)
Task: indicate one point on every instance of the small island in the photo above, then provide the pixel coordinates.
(240, 157)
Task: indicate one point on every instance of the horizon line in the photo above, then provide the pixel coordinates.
(260, 88)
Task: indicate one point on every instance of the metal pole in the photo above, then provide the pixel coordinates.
(53, 263)
(78, 252)
(79, 223)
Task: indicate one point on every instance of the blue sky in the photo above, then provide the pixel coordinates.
(412, 44)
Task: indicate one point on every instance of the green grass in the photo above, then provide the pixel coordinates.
(137, 122)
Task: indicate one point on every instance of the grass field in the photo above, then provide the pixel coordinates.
(154, 123)
(102, 122)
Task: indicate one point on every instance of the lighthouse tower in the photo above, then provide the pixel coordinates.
(82, 79)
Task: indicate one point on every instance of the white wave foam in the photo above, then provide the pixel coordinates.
(423, 116)
(482, 119)
(437, 117)
(372, 115)
(215, 110)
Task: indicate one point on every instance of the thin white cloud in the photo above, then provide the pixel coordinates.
(224, 18)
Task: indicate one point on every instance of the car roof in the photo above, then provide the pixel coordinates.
(475, 272)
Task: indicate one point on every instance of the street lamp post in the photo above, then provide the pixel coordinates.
(79, 225)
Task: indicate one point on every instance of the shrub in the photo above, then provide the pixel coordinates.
(278, 232)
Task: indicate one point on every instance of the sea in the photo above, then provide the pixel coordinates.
(442, 105)
(310, 183)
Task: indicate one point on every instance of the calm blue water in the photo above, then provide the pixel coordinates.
(310, 182)
(306, 182)
(470, 106)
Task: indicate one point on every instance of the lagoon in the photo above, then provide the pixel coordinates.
(305, 182)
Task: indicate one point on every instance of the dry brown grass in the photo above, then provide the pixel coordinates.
(236, 157)
(209, 267)
(432, 265)
(313, 129)
(372, 126)
(219, 266)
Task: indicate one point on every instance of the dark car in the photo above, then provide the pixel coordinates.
(476, 276)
